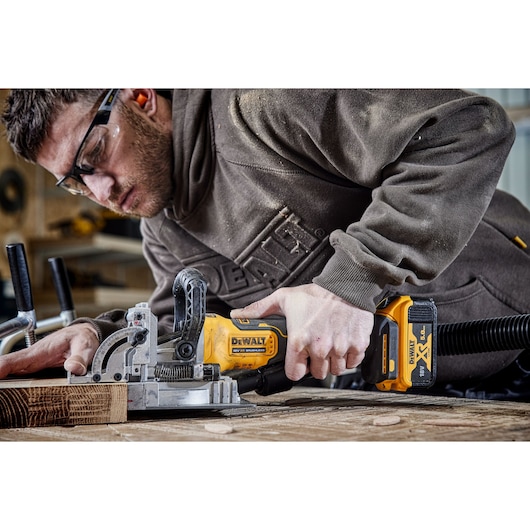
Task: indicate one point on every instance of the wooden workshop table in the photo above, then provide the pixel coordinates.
(311, 414)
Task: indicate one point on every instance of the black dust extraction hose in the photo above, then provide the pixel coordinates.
(488, 335)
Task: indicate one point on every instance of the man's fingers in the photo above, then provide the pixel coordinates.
(296, 369)
(337, 365)
(354, 359)
(72, 347)
(25, 362)
(319, 357)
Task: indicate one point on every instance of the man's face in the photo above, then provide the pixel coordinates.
(135, 179)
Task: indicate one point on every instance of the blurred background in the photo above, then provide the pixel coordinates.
(516, 175)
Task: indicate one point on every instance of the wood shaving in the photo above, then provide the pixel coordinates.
(386, 420)
(219, 428)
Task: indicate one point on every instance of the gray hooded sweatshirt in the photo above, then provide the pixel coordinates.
(363, 192)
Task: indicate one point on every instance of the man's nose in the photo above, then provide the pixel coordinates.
(99, 185)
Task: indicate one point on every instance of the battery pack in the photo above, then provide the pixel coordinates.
(402, 350)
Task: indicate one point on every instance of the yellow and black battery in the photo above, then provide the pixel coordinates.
(402, 351)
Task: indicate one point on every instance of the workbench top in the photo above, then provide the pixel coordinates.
(311, 414)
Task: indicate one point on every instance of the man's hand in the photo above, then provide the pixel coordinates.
(321, 328)
(72, 347)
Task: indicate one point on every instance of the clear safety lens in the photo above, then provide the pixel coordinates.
(97, 149)
(73, 186)
(93, 158)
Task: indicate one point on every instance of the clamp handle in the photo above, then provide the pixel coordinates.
(61, 283)
(20, 277)
(189, 290)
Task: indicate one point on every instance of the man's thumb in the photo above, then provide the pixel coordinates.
(262, 308)
(76, 365)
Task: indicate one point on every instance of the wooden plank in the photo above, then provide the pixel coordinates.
(37, 403)
(312, 414)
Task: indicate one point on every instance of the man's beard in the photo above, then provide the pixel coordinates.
(153, 166)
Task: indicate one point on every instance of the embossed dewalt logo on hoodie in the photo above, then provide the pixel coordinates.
(285, 246)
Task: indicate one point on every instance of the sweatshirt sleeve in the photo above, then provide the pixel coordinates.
(432, 159)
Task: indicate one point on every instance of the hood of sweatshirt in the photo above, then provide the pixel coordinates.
(193, 149)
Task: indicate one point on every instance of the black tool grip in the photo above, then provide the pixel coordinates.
(20, 276)
(62, 284)
(189, 290)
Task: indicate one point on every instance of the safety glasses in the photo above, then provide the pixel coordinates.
(95, 149)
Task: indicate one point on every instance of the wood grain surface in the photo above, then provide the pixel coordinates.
(37, 403)
(306, 414)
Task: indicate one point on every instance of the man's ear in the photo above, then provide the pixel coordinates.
(145, 99)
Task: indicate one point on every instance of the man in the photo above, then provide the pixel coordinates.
(313, 204)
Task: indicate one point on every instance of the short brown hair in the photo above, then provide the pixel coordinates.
(29, 113)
